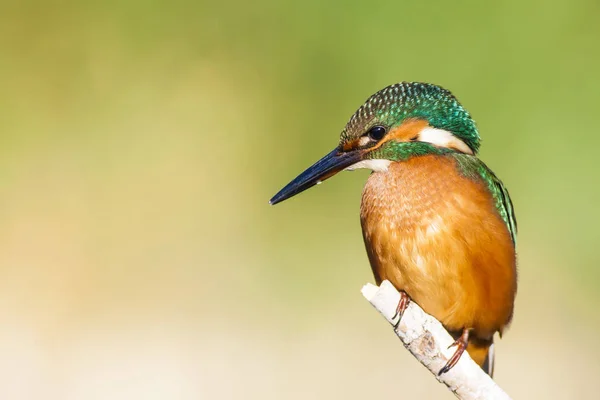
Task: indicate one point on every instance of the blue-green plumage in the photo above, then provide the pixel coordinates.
(414, 100)
(474, 168)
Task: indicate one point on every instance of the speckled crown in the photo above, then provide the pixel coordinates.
(406, 100)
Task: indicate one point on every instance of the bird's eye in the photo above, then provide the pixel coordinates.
(377, 132)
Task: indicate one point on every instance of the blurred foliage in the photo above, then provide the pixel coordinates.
(141, 141)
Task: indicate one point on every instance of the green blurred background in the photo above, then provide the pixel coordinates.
(140, 143)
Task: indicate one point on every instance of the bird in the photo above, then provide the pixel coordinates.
(436, 221)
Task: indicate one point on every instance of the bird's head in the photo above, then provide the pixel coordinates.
(399, 122)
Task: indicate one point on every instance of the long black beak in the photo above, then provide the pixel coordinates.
(323, 169)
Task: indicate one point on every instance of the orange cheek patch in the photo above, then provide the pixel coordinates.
(408, 130)
(405, 132)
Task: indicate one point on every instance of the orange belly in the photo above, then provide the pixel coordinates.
(436, 235)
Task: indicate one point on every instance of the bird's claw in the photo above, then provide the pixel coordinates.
(455, 343)
(402, 305)
(461, 344)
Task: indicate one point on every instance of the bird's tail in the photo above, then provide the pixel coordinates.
(488, 364)
(482, 352)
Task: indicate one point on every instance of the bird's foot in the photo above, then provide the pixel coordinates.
(461, 346)
(402, 305)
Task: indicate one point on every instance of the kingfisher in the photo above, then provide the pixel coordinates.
(436, 221)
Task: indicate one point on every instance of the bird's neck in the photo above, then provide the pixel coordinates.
(412, 185)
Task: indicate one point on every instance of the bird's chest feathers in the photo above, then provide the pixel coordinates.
(410, 215)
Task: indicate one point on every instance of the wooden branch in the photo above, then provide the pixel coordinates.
(428, 341)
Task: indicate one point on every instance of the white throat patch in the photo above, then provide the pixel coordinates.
(374, 165)
(443, 138)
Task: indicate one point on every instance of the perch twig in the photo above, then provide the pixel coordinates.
(428, 341)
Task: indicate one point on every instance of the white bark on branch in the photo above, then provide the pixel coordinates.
(428, 341)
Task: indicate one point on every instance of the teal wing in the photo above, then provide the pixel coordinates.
(504, 205)
(473, 167)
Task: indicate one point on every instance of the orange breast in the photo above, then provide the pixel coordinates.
(436, 235)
